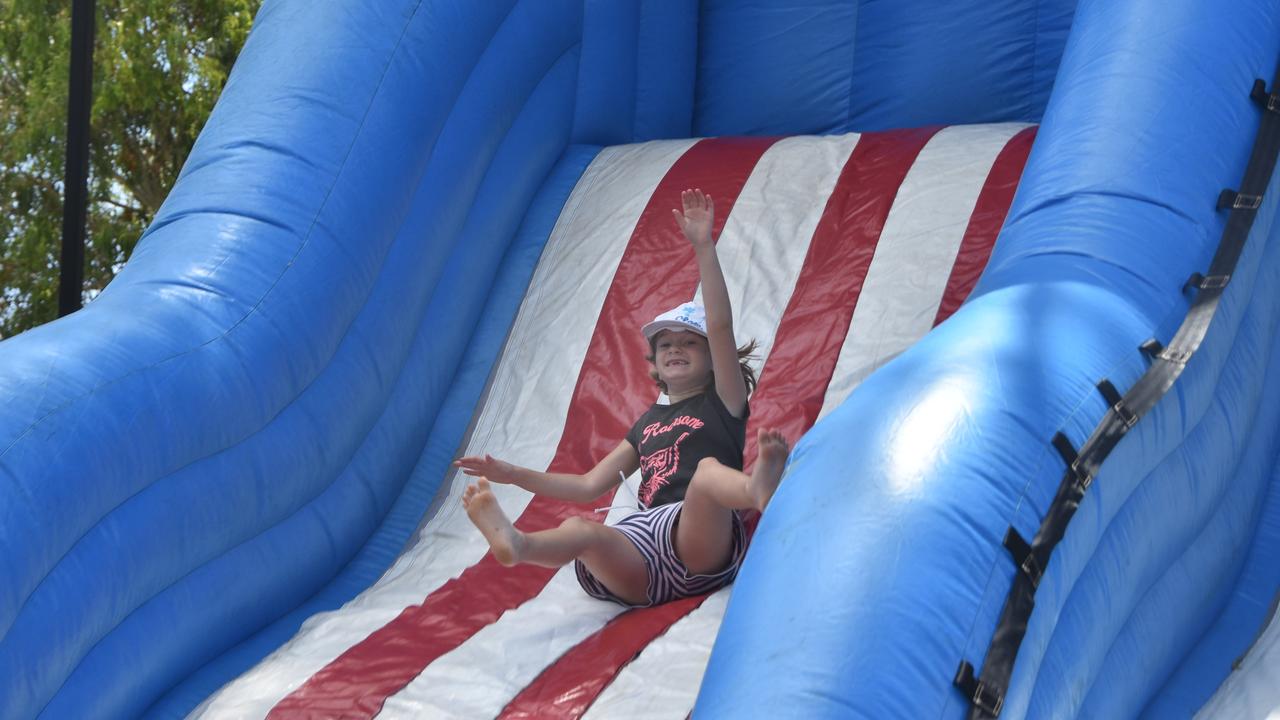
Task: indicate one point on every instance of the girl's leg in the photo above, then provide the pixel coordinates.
(703, 536)
(606, 552)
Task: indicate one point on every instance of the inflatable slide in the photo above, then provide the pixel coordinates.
(970, 239)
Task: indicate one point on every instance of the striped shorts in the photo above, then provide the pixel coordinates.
(652, 531)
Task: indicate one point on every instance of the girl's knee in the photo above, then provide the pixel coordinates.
(706, 467)
(707, 463)
(580, 527)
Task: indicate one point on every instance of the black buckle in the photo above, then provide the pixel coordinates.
(1238, 201)
(1206, 282)
(1129, 417)
(986, 698)
(1214, 282)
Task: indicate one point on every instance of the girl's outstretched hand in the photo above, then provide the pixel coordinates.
(488, 467)
(697, 216)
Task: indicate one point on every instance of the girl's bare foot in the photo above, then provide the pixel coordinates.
(482, 507)
(767, 473)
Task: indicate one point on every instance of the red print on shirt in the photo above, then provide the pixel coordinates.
(655, 429)
(658, 468)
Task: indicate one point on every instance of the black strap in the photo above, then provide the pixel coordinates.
(1063, 445)
(1152, 348)
(1259, 94)
(1075, 479)
(1116, 401)
(1024, 556)
(986, 693)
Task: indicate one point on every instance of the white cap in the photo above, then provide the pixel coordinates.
(690, 316)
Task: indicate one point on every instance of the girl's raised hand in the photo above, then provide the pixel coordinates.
(488, 467)
(696, 219)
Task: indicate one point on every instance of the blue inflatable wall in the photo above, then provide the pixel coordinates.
(244, 428)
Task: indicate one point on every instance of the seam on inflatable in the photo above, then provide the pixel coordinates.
(635, 71)
(1198, 226)
(1035, 58)
(853, 68)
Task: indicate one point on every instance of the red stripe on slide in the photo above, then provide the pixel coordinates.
(799, 368)
(566, 689)
(657, 271)
(985, 222)
(813, 328)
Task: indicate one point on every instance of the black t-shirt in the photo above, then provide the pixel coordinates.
(671, 439)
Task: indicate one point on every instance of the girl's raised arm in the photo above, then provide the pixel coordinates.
(695, 221)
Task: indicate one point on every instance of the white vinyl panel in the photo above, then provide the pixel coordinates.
(918, 246)
(1253, 689)
(764, 241)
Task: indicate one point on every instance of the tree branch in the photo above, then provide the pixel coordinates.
(123, 206)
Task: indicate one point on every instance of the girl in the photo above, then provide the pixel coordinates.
(688, 539)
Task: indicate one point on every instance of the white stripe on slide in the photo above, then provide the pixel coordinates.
(918, 246)
(762, 248)
(764, 242)
(479, 677)
(522, 418)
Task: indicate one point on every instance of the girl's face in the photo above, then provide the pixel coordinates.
(682, 359)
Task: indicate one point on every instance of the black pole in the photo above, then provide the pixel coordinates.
(75, 180)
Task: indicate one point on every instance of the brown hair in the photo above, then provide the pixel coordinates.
(745, 353)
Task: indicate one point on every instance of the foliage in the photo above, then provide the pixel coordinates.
(159, 66)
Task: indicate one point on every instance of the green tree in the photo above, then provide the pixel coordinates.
(159, 66)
